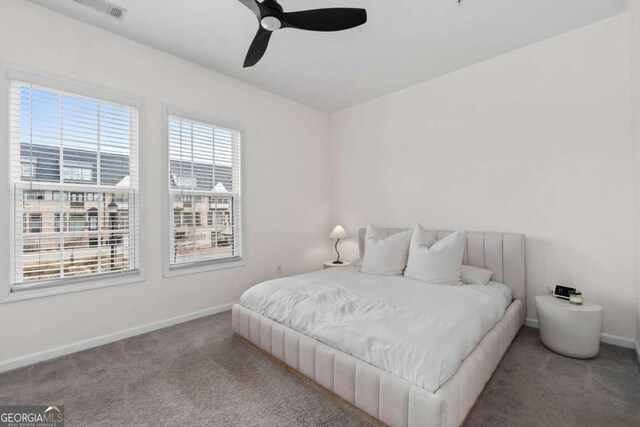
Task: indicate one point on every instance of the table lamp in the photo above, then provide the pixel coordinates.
(338, 233)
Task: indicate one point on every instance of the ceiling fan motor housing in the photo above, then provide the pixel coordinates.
(270, 23)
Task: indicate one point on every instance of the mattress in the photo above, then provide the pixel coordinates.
(416, 331)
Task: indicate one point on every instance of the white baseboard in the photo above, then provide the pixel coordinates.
(63, 350)
(605, 338)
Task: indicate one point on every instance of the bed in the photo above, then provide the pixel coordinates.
(376, 382)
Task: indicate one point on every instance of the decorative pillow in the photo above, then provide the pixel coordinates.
(357, 263)
(474, 275)
(436, 263)
(385, 255)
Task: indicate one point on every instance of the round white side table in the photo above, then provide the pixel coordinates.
(569, 329)
(330, 264)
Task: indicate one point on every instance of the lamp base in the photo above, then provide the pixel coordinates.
(337, 262)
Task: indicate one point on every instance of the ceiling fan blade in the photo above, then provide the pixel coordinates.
(332, 19)
(253, 5)
(258, 47)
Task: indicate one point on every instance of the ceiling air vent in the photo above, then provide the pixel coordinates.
(105, 7)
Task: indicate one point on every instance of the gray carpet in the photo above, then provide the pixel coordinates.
(198, 374)
(535, 387)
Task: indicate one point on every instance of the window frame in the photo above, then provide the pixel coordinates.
(8, 73)
(211, 265)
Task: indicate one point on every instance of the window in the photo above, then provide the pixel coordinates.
(77, 200)
(204, 193)
(27, 170)
(35, 223)
(76, 222)
(77, 171)
(184, 181)
(93, 219)
(34, 195)
(187, 219)
(222, 218)
(82, 201)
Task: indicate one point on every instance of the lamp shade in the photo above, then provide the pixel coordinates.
(338, 233)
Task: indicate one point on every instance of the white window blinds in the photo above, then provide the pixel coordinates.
(74, 183)
(204, 193)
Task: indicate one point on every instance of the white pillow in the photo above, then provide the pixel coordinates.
(474, 275)
(439, 263)
(385, 255)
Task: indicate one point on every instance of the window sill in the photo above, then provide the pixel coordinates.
(182, 271)
(75, 287)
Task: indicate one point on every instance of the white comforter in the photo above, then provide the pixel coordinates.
(416, 331)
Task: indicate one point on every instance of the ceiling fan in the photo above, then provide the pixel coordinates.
(271, 18)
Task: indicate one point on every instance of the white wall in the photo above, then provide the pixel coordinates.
(634, 37)
(535, 141)
(286, 187)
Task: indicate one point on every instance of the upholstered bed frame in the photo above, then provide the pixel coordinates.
(386, 397)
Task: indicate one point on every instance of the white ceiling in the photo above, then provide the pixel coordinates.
(403, 43)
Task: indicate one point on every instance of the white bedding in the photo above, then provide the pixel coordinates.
(503, 289)
(416, 331)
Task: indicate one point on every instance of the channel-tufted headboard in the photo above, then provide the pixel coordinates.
(502, 253)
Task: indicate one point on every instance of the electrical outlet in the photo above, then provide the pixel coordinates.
(279, 269)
